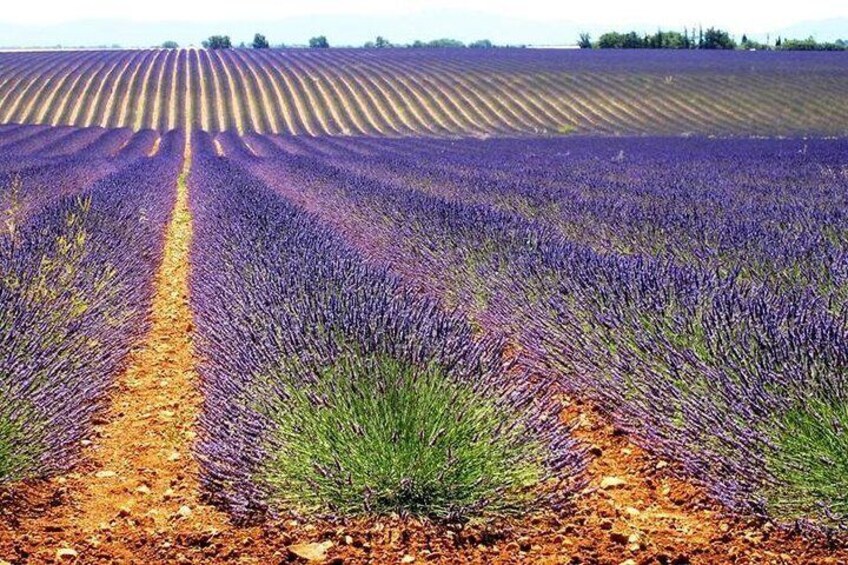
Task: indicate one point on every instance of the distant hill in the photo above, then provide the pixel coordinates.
(356, 29)
(822, 30)
(351, 30)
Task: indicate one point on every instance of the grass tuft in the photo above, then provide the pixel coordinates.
(6, 455)
(15, 458)
(376, 435)
(810, 464)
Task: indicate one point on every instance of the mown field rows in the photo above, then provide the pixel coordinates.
(433, 93)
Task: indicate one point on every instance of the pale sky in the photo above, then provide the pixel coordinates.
(729, 14)
(145, 23)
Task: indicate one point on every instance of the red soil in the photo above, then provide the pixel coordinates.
(651, 518)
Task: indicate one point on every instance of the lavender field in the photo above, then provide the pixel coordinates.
(83, 214)
(405, 280)
(439, 92)
(695, 288)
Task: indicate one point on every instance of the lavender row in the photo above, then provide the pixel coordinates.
(75, 285)
(31, 145)
(33, 180)
(279, 299)
(771, 211)
(714, 371)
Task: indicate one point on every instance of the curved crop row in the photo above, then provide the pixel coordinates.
(329, 386)
(75, 283)
(430, 92)
(33, 178)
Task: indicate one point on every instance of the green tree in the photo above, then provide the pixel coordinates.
(319, 42)
(170, 45)
(259, 42)
(585, 41)
(218, 42)
(481, 44)
(615, 40)
(717, 39)
(810, 44)
(444, 42)
(610, 40)
(666, 40)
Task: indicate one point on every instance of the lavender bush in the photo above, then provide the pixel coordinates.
(706, 358)
(331, 387)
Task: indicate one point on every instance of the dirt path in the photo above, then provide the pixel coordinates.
(145, 474)
(138, 480)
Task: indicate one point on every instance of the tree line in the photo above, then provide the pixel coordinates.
(710, 38)
(320, 41)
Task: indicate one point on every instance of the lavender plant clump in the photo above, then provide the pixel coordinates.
(331, 387)
(710, 358)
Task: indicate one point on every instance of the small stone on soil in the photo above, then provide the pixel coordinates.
(311, 551)
(66, 553)
(612, 482)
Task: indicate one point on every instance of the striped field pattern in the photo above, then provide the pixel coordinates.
(401, 92)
